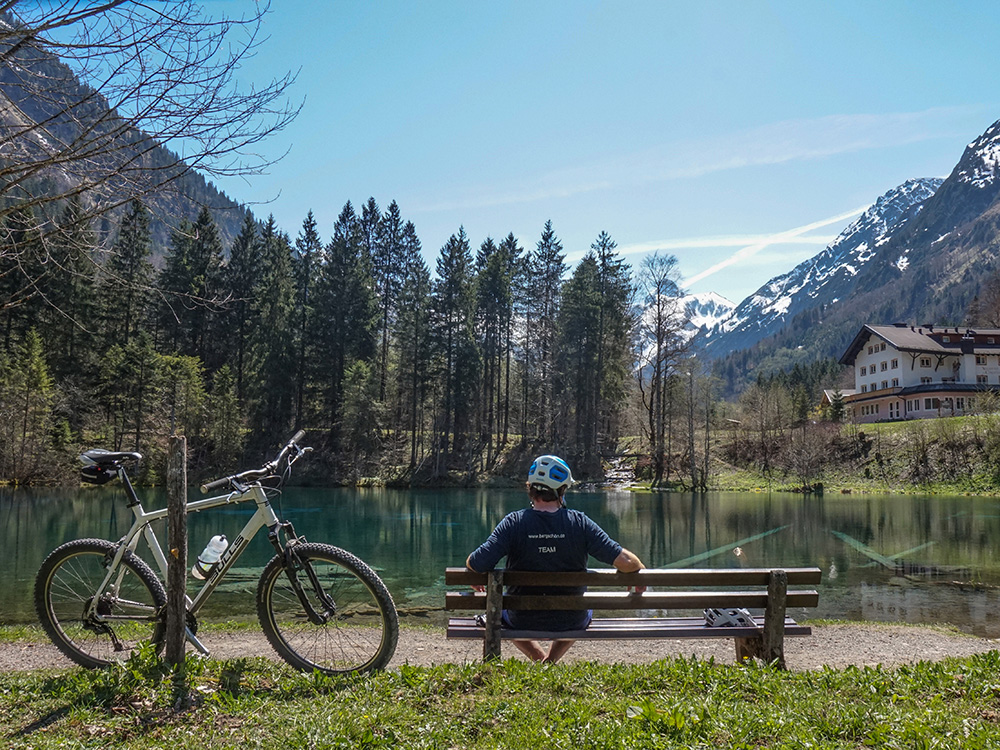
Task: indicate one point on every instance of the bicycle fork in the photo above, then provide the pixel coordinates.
(293, 564)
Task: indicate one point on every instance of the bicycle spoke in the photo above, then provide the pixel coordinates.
(96, 629)
(359, 635)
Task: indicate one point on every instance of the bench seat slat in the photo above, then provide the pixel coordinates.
(623, 600)
(626, 628)
(650, 577)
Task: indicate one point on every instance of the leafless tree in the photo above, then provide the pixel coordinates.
(116, 100)
(661, 342)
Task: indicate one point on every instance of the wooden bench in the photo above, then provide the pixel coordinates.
(667, 591)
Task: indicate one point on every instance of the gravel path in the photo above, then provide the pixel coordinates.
(830, 645)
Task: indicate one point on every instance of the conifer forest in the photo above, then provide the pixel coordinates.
(397, 370)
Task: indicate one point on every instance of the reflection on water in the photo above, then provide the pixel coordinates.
(887, 558)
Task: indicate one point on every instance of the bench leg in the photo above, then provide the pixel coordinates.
(774, 619)
(749, 648)
(494, 610)
(769, 646)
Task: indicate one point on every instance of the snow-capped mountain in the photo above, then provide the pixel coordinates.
(981, 160)
(827, 277)
(706, 310)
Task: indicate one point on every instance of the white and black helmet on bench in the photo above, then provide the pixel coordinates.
(732, 618)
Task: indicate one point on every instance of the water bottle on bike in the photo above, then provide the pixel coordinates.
(209, 556)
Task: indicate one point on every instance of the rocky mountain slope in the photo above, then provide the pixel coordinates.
(924, 262)
(824, 279)
(58, 134)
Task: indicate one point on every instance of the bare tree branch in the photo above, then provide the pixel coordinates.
(120, 100)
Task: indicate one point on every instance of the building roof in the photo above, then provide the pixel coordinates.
(830, 393)
(925, 339)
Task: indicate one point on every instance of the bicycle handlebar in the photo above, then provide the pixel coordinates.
(264, 471)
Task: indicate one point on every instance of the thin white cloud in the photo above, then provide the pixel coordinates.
(789, 235)
(772, 143)
(805, 139)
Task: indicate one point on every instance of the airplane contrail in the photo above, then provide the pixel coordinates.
(750, 250)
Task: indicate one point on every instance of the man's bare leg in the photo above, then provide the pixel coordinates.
(557, 650)
(531, 649)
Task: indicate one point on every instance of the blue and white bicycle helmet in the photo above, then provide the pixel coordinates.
(551, 472)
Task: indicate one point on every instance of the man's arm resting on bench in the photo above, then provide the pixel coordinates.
(629, 562)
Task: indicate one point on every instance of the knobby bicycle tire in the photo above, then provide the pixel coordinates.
(360, 626)
(129, 614)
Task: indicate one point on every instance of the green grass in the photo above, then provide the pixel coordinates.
(675, 703)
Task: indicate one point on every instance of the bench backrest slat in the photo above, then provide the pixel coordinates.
(614, 600)
(687, 577)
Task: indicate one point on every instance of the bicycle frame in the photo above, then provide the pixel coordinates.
(141, 528)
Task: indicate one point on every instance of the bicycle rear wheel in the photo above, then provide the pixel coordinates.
(127, 612)
(347, 624)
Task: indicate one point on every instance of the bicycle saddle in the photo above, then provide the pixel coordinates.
(101, 457)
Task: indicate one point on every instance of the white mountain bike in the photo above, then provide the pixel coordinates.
(320, 607)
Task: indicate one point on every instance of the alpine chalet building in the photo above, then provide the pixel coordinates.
(920, 372)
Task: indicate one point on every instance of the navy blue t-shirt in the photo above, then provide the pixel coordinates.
(537, 540)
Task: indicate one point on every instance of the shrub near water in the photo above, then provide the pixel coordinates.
(513, 704)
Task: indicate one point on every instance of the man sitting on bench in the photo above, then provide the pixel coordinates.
(548, 537)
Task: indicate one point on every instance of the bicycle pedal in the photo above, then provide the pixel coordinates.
(193, 640)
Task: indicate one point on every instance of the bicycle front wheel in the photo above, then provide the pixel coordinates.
(97, 630)
(340, 620)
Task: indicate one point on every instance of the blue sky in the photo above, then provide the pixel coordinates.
(738, 136)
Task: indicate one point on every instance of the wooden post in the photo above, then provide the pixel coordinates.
(494, 609)
(774, 619)
(177, 554)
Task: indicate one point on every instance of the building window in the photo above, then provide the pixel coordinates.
(876, 408)
(874, 386)
(864, 371)
(894, 364)
(885, 383)
(928, 403)
(981, 379)
(881, 349)
(991, 340)
(870, 348)
(925, 361)
(884, 366)
(960, 403)
(895, 382)
(864, 389)
(925, 380)
(980, 359)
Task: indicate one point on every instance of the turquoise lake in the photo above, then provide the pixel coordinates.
(898, 558)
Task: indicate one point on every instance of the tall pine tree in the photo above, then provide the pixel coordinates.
(127, 277)
(345, 314)
(308, 249)
(453, 330)
(274, 347)
(241, 282)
